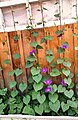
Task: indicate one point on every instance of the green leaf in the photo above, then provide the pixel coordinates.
(28, 64)
(12, 84)
(53, 98)
(43, 40)
(37, 86)
(18, 72)
(1, 101)
(61, 50)
(50, 58)
(35, 71)
(69, 93)
(45, 8)
(71, 85)
(68, 80)
(37, 78)
(16, 38)
(34, 95)
(60, 60)
(39, 109)
(41, 98)
(75, 35)
(26, 99)
(57, 15)
(39, 47)
(30, 80)
(72, 104)
(7, 61)
(61, 89)
(31, 58)
(0, 69)
(54, 88)
(11, 73)
(14, 93)
(64, 107)
(3, 91)
(58, 32)
(66, 71)
(34, 44)
(22, 87)
(49, 52)
(28, 110)
(76, 48)
(71, 75)
(48, 37)
(35, 34)
(67, 64)
(53, 64)
(39, 23)
(55, 72)
(16, 56)
(55, 106)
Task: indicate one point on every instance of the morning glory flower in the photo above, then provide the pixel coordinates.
(63, 83)
(48, 89)
(48, 82)
(64, 46)
(33, 51)
(44, 70)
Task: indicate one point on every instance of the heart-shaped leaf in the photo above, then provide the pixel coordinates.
(54, 89)
(39, 47)
(55, 72)
(55, 106)
(34, 44)
(11, 73)
(37, 86)
(61, 89)
(14, 93)
(67, 64)
(16, 56)
(49, 58)
(53, 98)
(16, 38)
(28, 110)
(69, 93)
(35, 34)
(35, 71)
(68, 80)
(7, 61)
(26, 99)
(12, 84)
(66, 71)
(72, 104)
(49, 52)
(28, 64)
(31, 58)
(48, 37)
(39, 109)
(37, 78)
(64, 106)
(41, 98)
(18, 72)
(3, 91)
(61, 50)
(60, 60)
(22, 87)
(34, 95)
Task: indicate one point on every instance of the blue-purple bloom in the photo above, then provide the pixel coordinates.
(44, 70)
(64, 46)
(48, 89)
(48, 82)
(33, 51)
(63, 83)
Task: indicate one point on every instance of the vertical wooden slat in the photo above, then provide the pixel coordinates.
(5, 54)
(22, 59)
(76, 52)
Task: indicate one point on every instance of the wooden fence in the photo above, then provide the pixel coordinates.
(8, 47)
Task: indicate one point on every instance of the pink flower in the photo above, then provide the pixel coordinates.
(44, 70)
(48, 82)
(48, 89)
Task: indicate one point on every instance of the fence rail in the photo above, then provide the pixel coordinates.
(9, 47)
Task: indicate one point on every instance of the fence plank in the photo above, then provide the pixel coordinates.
(75, 43)
(5, 55)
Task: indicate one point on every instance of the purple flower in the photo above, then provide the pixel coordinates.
(44, 70)
(48, 82)
(33, 51)
(48, 89)
(64, 46)
(63, 83)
